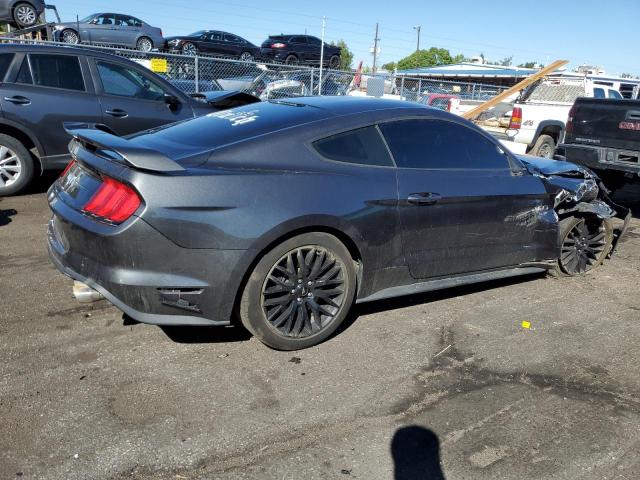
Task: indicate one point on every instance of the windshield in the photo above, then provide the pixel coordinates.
(197, 34)
(87, 19)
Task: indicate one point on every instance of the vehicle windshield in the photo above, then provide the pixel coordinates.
(197, 34)
(88, 19)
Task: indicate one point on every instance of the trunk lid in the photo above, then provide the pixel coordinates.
(606, 123)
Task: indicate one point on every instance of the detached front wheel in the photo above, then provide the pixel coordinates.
(299, 292)
(585, 244)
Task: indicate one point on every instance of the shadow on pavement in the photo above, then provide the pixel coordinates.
(194, 334)
(416, 454)
(5, 216)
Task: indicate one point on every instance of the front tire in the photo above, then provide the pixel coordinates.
(585, 243)
(246, 57)
(299, 292)
(25, 15)
(69, 36)
(189, 49)
(544, 147)
(144, 44)
(16, 166)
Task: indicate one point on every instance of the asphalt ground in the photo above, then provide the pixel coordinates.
(441, 385)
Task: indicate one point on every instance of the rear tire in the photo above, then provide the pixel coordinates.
(144, 44)
(25, 15)
(334, 62)
(544, 147)
(291, 60)
(299, 292)
(16, 166)
(246, 57)
(189, 49)
(585, 243)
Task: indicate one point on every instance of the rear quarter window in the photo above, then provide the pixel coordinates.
(58, 71)
(363, 146)
(5, 61)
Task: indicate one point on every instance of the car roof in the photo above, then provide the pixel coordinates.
(69, 49)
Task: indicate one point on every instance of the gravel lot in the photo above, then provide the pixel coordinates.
(444, 385)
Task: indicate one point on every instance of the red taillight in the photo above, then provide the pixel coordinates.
(450, 105)
(67, 168)
(516, 119)
(278, 45)
(113, 201)
(569, 127)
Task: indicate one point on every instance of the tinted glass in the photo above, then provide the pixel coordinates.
(598, 93)
(232, 38)
(5, 61)
(126, 82)
(298, 39)
(215, 36)
(24, 74)
(59, 71)
(107, 19)
(440, 144)
(363, 146)
(314, 41)
(615, 94)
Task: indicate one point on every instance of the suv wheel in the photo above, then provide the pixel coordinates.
(16, 166)
(544, 147)
(25, 15)
(189, 49)
(144, 44)
(70, 36)
(246, 57)
(291, 60)
(334, 62)
(299, 292)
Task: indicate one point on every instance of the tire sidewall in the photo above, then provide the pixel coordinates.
(542, 140)
(334, 62)
(291, 60)
(15, 15)
(565, 226)
(142, 39)
(26, 163)
(251, 313)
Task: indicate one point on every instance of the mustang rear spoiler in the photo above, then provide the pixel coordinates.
(93, 138)
(224, 99)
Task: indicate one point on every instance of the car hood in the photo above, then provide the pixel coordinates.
(73, 25)
(182, 37)
(547, 167)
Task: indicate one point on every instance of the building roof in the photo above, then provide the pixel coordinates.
(470, 70)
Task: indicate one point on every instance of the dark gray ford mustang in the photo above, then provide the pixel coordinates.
(283, 214)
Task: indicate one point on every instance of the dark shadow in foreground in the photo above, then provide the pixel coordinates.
(5, 216)
(416, 454)
(197, 334)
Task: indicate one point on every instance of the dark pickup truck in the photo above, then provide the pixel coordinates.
(604, 135)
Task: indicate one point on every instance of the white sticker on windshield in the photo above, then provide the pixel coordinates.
(236, 118)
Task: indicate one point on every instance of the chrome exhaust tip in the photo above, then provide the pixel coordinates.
(84, 293)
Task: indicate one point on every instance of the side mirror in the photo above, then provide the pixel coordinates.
(171, 100)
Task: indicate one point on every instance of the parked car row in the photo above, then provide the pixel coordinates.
(44, 87)
(131, 32)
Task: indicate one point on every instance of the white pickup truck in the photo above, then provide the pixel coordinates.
(536, 122)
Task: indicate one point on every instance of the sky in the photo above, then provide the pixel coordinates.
(581, 31)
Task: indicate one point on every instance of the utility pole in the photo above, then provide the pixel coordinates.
(417, 28)
(324, 21)
(375, 49)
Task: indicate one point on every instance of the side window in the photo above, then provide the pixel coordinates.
(231, 38)
(440, 144)
(314, 41)
(126, 82)
(363, 146)
(215, 36)
(24, 74)
(614, 94)
(106, 19)
(598, 93)
(59, 71)
(5, 61)
(299, 40)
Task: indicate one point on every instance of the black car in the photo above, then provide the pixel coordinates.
(45, 86)
(21, 13)
(299, 49)
(287, 212)
(213, 42)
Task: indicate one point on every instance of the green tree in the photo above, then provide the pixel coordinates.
(346, 55)
(389, 67)
(529, 65)
(426, 58)
(506, 62)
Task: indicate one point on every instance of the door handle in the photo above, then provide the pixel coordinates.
(116, 112)
(633, 115)
(424, 198)
(18, 99)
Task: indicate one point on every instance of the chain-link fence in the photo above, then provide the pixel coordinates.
(193, 74)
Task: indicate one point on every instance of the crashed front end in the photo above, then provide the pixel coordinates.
(578, 192)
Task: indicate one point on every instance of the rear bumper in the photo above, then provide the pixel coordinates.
(273, 54)
(600, 158)
(143, 273)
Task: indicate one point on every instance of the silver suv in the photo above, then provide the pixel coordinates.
(21, 13)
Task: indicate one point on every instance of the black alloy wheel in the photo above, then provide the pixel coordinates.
(585, 243)
(303, 291)
(299, 292)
